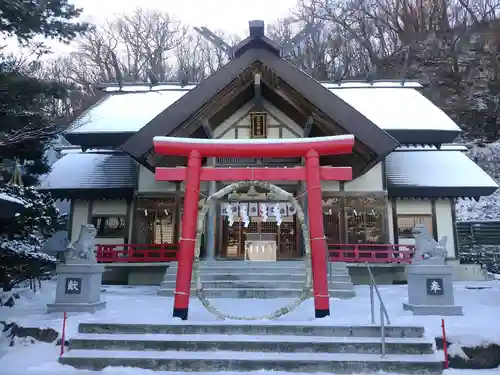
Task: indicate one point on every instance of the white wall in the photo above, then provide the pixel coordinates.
(390, 222)
(370, 181)
(80, 216)
(415, 207)
(148, 184)
(412, 207)
(445, 225)
(109, 207)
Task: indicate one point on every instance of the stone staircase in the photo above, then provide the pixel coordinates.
(240, 279)
(226, 346)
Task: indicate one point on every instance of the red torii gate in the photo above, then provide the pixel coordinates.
(312, 173)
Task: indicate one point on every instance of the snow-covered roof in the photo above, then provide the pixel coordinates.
(394, 108)
(449, 147)
(91, 171)
(390, 105)
(126, 112)
(436, 174)
(377, 84)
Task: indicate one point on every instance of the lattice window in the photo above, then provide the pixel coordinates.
(363, 227)
(406, 223)
(233, 238)
(355, 220)
(154, 222)
(331, 223)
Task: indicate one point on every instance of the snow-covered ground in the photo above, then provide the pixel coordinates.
(135, 304)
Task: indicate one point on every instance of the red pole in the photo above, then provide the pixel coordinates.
(63, 333)
(188, 237)
(445, 345)
(317, 234)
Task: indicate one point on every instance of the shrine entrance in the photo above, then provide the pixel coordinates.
(235, 239)
(312, 173)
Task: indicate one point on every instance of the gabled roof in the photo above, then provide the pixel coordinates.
(332, 106)
(395, 107)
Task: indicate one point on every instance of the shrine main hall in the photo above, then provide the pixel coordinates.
(406, 170)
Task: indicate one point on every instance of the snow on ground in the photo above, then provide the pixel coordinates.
(136, 304)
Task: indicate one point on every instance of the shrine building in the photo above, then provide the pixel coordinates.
(405, 168)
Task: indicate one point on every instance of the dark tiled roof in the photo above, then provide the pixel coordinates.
(102, 172)
(436, 174)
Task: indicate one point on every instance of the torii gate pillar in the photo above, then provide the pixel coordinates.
(313, 173)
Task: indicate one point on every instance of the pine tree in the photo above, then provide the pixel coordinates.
(28, 114)
(30, 107)
(23, 237)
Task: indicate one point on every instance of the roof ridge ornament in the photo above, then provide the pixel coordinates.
(257, 32)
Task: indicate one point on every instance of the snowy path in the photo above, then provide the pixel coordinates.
(142, 305)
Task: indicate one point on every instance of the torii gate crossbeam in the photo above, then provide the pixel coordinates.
(312, 173)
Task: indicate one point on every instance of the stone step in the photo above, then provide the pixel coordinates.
(249, 269)
(257, 284)
(244, 264)
(243, 343)
(257, 293)
(263, 328)
(280, 263)
(205, 276)
(232, 266)
(253, 361)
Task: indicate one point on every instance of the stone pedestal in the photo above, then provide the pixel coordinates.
(430, 290)
(78, 288)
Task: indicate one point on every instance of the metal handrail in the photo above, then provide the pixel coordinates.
(384, 315)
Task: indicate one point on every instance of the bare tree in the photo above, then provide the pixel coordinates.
(197, 58)
(147, 39)
(450, 43)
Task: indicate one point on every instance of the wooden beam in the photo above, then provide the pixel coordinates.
(249, 148)
(206, 126)
(259, 105)
(251, 174)
(308, 126)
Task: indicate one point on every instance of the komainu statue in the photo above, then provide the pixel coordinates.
(428, 250)
(83, 249)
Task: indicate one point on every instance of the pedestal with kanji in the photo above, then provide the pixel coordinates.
(430, 279)
(78, 288)
(430, 290)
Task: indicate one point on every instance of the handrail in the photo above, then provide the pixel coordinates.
(383, 310)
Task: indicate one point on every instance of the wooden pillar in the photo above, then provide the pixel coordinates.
(317, 234)
(188, 237)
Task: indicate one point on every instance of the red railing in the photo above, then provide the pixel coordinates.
(137, 253)
(151, 253)
(371, 253)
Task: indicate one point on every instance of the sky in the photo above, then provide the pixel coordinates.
(228, 15)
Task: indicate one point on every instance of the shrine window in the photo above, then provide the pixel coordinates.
(112, 226)
(365, 227)
(406, 223)
(155, 221)
(355, 220)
